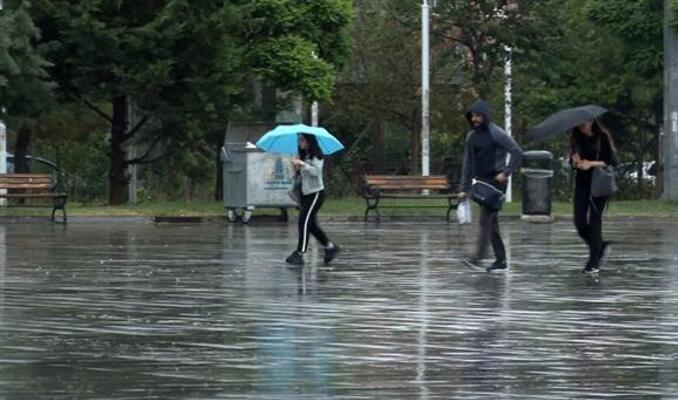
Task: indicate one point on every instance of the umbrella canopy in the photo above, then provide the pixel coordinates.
(283, 139)
(564, 120)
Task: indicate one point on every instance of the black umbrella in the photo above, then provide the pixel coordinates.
(564, 120)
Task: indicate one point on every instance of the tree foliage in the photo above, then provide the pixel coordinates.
(184, 65)
(25, 88)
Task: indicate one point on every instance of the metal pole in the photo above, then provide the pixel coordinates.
(3, 157)
(670, 131)
(425, 91)
(314, 113)
(508, 110)
(3, 148)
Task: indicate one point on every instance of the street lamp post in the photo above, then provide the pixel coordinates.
(315, 107)
(508, 109)
(315, 113)
(670, 132)
(3, 147)
(425, 91)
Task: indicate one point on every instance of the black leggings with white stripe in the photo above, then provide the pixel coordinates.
(308, 225)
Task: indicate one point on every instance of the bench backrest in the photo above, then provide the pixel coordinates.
(27, 181)
(407, 182)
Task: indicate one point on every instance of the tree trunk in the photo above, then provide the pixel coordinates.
(23, 142)
(415, 145)
(377, 141)
(117, 175)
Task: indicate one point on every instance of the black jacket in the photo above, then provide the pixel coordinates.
(595, 148)
(476, 145)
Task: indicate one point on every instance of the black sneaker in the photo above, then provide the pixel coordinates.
(497, 265)
(331, 253)
(590, 269)
(295, 258)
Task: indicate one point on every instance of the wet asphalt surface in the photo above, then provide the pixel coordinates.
(123, 310)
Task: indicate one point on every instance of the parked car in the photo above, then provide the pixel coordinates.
(630, 171)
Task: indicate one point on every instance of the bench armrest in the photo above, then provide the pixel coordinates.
(369, 191)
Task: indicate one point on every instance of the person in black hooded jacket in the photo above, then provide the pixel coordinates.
(485, 151)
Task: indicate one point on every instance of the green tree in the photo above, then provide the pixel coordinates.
(25, 89)
(379, 92)
(184, 64)
(607, 52)
(636, 27)
(478, 33)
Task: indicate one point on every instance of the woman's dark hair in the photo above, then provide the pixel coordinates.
(313, 150)
(599, 131)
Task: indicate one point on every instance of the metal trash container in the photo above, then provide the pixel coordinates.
(537, 179)
(252, 178)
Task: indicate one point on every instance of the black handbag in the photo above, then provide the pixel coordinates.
(603, 182)
(487, 195)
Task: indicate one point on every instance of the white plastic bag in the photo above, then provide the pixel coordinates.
(464, 212)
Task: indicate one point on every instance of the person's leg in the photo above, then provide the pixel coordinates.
(484, 232)
(596, 230)
(582, 216)
(331, 249)
(581, 211)
(313, 226)
(307, 206)
(304, 209)
(497, 242)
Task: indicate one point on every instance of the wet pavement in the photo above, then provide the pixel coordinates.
(122, 310)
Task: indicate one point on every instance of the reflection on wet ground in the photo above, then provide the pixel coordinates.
(210, 311)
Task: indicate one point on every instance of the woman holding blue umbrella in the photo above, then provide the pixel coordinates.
(309, 167)
(310, 144)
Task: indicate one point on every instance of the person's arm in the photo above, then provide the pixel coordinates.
(588, 164)
(607, 157)
(312, 167)
(511, 147)
(574, 160)
(467, 168)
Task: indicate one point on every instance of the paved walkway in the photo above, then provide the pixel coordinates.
(210, 311)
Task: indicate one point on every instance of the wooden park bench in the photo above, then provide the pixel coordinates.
(21, 187)
(377, 187)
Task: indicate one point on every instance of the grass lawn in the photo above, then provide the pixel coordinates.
(145, 209)
(351, 206)
(356, 206)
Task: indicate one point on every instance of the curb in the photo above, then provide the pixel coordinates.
(275, 219)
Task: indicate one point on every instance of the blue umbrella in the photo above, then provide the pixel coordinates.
(283, 139)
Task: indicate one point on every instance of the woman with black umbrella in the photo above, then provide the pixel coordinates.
(591, 146)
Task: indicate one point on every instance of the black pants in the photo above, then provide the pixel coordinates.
(588, 219)
(308, 225)
(488, 225)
